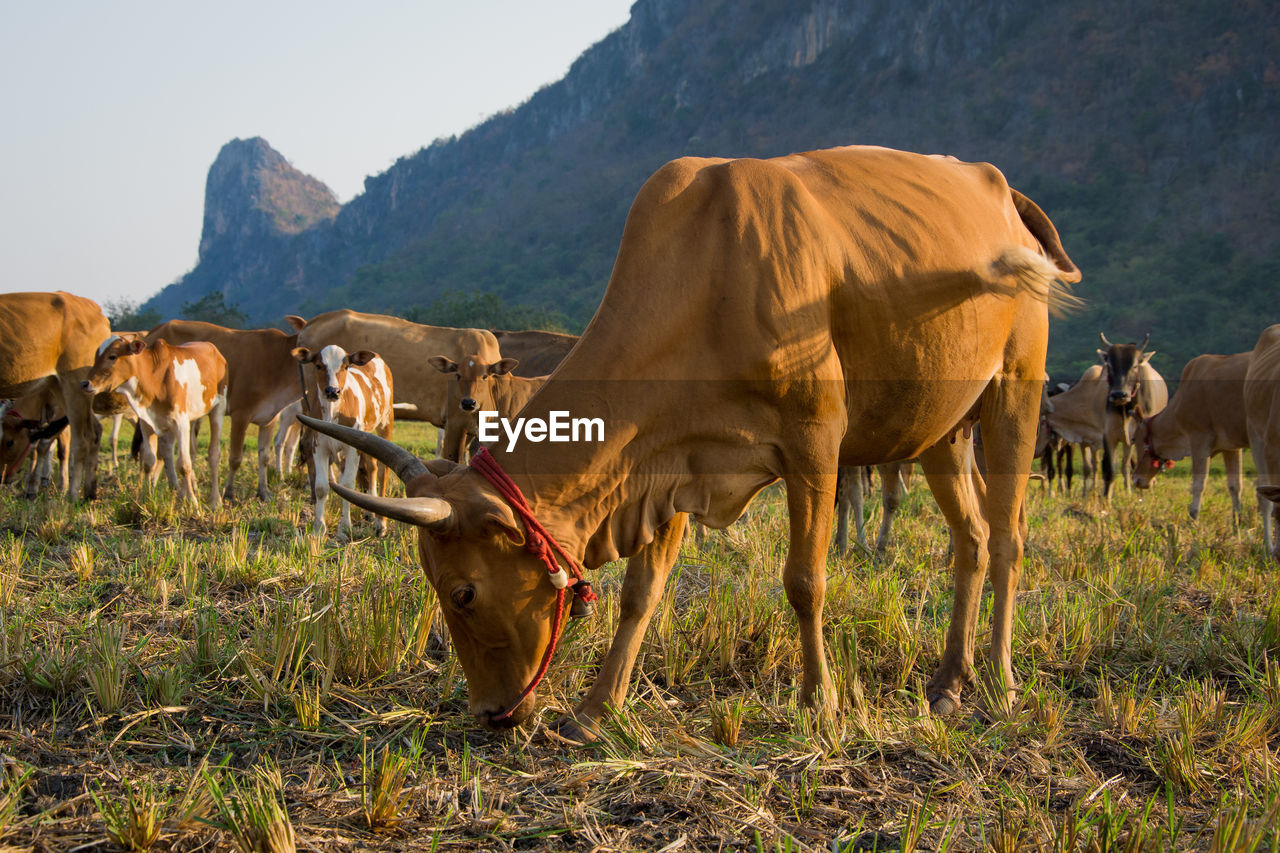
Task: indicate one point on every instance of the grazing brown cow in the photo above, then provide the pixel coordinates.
(421, 393)
(355, 391)
(1205, 416)
(262, 379)
(1262, 415)
(55, 334)
(479, 386)
(765, 320)
(1135, 390)
(29, 429)
(169, 388)
(538, 352)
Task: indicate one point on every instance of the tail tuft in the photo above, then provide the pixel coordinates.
(1031, 271)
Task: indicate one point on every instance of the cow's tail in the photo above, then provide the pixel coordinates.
(1022, 269)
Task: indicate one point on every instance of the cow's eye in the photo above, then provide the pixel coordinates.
(112, 357)
(464, 595)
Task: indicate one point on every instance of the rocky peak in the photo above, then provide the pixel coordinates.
(252, 191)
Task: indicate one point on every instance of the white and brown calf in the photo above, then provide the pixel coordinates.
(168, 388)
(354, 390)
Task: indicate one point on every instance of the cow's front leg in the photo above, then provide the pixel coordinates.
(641, 589)
(216, 415)
(320, 486)
(810, 498)
(350, 468)
(186, 474)
(1232, 460)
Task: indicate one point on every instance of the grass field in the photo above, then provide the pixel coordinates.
(213, 680)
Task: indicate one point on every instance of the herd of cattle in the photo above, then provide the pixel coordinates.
(795, 319)
(168, 379)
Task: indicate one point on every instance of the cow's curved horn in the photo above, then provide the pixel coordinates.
(432, 513)
(405, 465)
(1145, 341)
(1105, 342)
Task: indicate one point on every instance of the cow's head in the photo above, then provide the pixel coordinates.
(1149, 462)
(113, 365)
(18, 435)
(473, 374)
(495, 595)
(1123, 366)
(331, 365)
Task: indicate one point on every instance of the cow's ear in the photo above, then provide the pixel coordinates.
(297, 322)
(499, 520)
(442, 364)
(1102, 356)
(362, 357)
(1146, 356)
(302, 354)
(503, 367)
(136, 346)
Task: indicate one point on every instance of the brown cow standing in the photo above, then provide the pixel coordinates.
(1262, 414)
(1205, 416)
(262, 380)
(480, 386)
(765, 320)
(169, 388)
(56, 334)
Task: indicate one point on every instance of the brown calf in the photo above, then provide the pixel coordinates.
(480, 386)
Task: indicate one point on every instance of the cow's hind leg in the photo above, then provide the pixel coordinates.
(216, 415)
(892, 491)
(235, 454)
(1009, 426)
(265, 451)
(947, 468)
(1233, 461)
(641, 590)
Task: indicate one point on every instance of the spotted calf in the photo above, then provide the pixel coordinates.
(354, 390)
(168, 388)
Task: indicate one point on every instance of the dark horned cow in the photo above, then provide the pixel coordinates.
(765, 320)
(1135, 390)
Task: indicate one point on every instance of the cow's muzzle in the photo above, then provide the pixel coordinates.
(468, 404)
(332, 392)
(489, 721)
(1119, 397)
(87, 387)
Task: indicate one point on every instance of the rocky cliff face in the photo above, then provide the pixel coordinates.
(1146, 130)
(256, 202)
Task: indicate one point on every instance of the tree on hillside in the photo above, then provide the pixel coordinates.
(213, 308)
(127, 315)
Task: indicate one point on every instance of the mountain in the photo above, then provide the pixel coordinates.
(1147, 130)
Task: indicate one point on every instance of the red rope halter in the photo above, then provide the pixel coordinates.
(1151, 448)
(538, 540)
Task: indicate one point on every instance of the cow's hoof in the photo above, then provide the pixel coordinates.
(943, 702)
(572, 732)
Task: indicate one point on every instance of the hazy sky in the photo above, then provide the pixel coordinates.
(113, 112)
